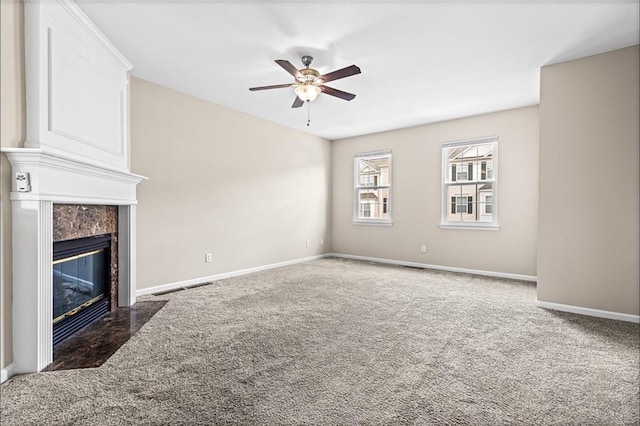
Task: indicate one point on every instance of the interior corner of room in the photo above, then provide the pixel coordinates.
(229, 193)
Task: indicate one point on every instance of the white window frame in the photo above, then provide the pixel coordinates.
(446, 183)
(356, 184)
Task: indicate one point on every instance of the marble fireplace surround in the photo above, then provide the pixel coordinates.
(60, 180)
(73, 221)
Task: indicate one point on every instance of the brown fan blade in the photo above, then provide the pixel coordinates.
(277, 86)
(342, 73)
(297, 103)
(337, 93)
(289, 67)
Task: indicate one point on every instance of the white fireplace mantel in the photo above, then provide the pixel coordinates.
(55, 179)
(76, 152)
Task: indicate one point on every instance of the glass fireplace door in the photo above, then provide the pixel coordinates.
(78, 282)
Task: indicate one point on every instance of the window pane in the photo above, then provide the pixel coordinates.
(461, 199)
(485, 194)
(469, 162)
(372, 203)
(469, 152)
(373, 171)
(383, 203)
(489, 171)
(364, 173)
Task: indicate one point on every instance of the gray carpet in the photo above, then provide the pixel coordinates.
(343, 342)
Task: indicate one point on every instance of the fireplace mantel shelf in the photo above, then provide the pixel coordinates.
(60, 179)
(40, 156)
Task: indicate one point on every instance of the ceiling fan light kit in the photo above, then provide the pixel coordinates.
(308, 91)
(309, 83)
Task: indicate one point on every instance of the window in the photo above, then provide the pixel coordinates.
(372, 175)
(469, 188)
(461, 204)
(488, 207)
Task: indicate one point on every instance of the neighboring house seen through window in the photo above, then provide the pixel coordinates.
(469, 189)
(372, 175)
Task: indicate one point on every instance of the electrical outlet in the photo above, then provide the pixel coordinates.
(307, 243)
(321, 241)
(423, 249)
(208, 257)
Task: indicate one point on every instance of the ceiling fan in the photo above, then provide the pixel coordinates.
(309, 83)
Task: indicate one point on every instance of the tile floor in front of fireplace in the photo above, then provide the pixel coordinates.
(95, 344)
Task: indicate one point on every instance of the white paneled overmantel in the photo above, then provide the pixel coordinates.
(76, 86)
(76, 152)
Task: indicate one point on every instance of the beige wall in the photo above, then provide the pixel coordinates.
(12, 134)
(588, 240)
(247, 190)
(416, 198)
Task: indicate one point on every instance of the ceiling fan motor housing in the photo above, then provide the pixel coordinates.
(309, 75)
(306, 60)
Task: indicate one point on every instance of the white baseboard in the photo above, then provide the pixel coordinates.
(210, 278)
(438, 267)
(188, 283)
(6, 373)
(588, 311)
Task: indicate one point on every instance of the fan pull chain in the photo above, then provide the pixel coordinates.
(308, 113)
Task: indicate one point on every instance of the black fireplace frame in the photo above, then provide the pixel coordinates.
(67, 327)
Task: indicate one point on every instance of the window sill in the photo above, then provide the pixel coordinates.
(468, 226)
(373, 222)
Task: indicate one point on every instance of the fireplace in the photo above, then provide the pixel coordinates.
(81, 284)
(57, 181)
(76, 152)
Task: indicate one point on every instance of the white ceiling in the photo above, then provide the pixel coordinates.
(421, 62)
